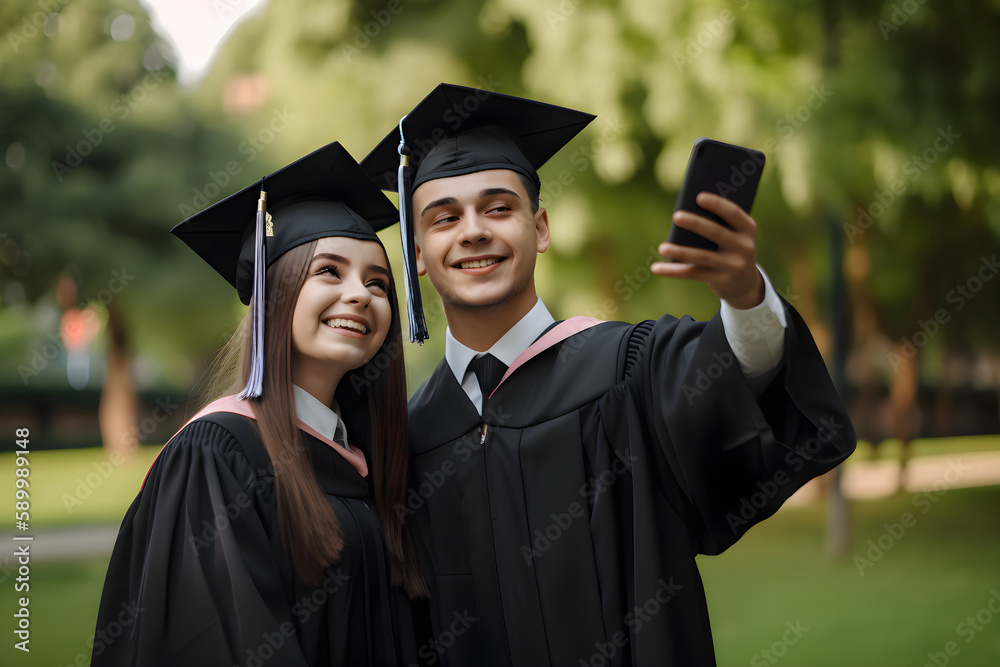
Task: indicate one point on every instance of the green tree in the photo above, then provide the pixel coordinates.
(101, 156)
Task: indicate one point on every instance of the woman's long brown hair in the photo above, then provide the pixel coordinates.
(372, 399)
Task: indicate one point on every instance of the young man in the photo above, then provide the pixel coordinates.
(559, 512)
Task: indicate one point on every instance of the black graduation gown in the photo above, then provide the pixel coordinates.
(199, 575)
(567, 533)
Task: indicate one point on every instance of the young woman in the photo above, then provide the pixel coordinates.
(266, 532)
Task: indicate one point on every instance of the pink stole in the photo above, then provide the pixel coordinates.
(556, 334)
(236, 406)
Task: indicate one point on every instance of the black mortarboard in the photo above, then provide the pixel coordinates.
(457, 130)
(325, 193)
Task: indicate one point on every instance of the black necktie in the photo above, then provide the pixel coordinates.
(489, 370)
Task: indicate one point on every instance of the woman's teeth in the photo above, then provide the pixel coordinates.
(339, 323)
(479, 263)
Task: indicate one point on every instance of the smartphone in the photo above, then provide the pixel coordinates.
(727, 170)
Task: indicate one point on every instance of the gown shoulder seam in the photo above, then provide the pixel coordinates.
(233, 441)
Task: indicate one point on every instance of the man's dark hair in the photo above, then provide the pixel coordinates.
(532, 191)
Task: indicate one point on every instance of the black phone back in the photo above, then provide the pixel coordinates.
(724, 169)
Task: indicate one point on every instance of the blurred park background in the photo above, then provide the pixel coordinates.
(878, 219)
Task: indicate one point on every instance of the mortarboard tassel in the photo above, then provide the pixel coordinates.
(414, 306)
(256, 380)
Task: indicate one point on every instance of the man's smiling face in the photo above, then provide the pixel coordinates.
(477, 239)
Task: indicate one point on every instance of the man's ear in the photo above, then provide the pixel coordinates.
(542, 230)
(418, 256)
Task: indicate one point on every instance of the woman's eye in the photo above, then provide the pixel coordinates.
(328, 268)
(379, 284)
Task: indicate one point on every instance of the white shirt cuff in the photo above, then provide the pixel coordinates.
(757, 335)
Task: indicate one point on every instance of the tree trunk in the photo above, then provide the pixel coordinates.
(838, 516)
(119, 407)
(902, 398)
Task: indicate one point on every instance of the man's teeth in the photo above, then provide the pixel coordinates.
(339, 323)
(479, 263)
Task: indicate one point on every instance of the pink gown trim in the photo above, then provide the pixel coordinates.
(236, 406)
(556, 334)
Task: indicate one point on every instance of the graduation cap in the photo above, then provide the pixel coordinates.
(457, 130)
(325, 193)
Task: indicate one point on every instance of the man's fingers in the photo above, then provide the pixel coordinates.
(673, 269)
(696, 256)
(729, 211)
(702, 226)
(685, 271)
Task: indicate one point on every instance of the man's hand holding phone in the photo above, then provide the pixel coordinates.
(729, 270)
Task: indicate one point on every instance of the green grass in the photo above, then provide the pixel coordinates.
(63, 612)
(76, 486)
(907, 603)
(888, 450)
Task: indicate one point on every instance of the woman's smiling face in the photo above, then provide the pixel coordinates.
(342, 313)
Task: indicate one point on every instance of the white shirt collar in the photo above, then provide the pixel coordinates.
(314, 414)
(517, 339)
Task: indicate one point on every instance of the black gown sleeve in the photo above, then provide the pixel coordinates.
(736, 456)
(194, 578)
